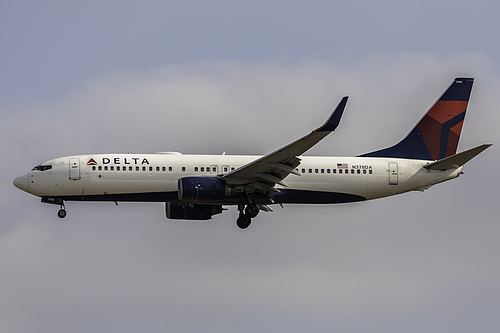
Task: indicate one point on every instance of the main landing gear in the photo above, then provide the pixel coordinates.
(246, 215)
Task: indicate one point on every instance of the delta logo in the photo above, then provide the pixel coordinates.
(120, 160)
(91, 162)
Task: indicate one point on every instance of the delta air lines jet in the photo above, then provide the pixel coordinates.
(196, 187)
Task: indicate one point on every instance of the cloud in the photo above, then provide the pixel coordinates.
(368, 265)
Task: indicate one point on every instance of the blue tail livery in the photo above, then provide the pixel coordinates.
(436, 135)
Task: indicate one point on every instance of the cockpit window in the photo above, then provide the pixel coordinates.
(42, 167)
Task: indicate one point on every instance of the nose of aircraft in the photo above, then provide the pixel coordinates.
(21, 182)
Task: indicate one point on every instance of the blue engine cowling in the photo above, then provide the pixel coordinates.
(203, 189)
(183, 211)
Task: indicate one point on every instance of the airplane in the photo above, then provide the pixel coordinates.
(196, 187)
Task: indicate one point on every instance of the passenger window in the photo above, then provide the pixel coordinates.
(202, 169)
(214, 169)
(195, 169)
(225, 169)
(370, 172)
(130, 168)
(163, 169)
(359, 171)
(143, 168)
(310, 170)
(316, 170)
(334, 170)
(232, 168)
(364, 172)
(303, 170)
(100, 168)
(322, 170)
(327, 170)
(117, 168)
(170, 169)
(340, 170)
(183, 168)
(352, 171)
(105, 168)
(93, 167)
(150, 168)
(157, 168)
(136, 168)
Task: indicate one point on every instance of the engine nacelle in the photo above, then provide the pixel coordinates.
(204, 189)
(183, 211)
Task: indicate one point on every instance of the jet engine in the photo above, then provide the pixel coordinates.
(184, 211)
(204, 189)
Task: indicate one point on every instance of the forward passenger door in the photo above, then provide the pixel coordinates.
(74, 168)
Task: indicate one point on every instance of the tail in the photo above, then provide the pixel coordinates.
(436, 135)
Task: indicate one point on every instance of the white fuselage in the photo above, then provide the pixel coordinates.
(195, 187)
(154, 177)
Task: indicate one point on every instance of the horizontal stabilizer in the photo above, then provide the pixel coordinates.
(457, 160)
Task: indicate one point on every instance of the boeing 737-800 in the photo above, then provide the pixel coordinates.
(196, 187)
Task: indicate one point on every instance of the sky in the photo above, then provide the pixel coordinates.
(246, 77)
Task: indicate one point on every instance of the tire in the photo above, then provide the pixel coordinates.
(61, 213)
(252, 210)
(243, 222)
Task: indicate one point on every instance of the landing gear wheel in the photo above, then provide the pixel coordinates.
(243, 221)
(61, 213)
(252, 210)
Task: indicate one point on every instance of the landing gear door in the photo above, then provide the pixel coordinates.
(393, 173)
(74, 168)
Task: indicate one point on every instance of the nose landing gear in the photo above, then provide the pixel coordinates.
(56, 201)
(62, 212)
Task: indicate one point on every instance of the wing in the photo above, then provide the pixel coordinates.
(265, 172)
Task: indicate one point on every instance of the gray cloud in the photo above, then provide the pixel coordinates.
(413, 262)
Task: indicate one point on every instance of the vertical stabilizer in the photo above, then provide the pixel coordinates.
(437, 133)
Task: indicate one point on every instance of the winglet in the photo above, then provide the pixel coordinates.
(334, 120)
